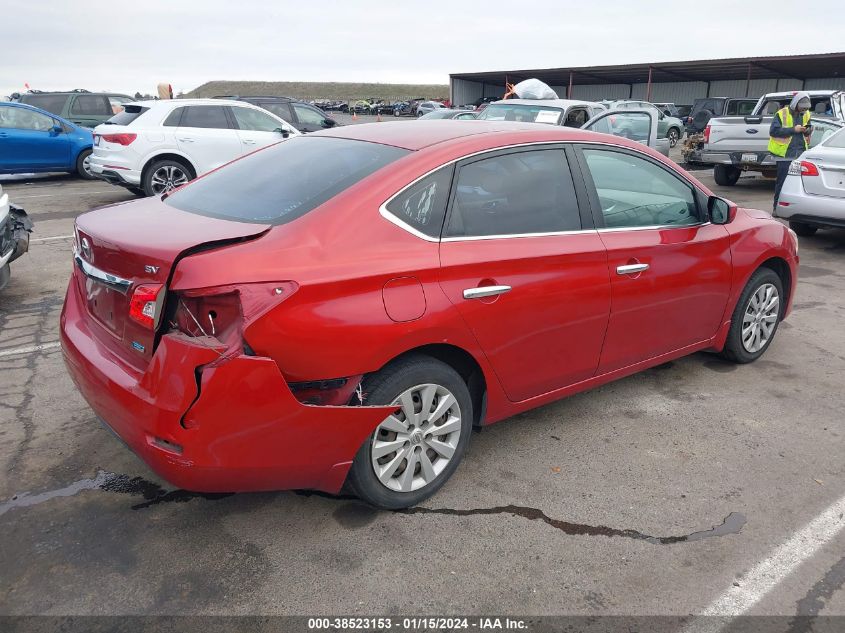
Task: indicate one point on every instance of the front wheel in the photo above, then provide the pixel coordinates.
(674, 136)
(755, 319)
(413, 452)
(83, 165)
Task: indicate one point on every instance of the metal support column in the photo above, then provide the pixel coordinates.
(569, 90)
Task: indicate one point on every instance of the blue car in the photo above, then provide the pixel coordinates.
(34, 141)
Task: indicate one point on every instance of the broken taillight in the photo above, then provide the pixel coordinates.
(146, 304)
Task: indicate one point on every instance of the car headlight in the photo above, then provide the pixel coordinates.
(794, 237)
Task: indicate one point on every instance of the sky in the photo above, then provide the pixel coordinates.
(133, 46)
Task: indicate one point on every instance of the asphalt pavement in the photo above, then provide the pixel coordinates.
(669, 492)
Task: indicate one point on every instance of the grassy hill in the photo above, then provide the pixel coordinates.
(316, 90)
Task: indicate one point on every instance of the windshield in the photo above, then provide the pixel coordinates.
(284, 181)
(526, 113)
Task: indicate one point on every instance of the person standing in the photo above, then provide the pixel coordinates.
(789, 136)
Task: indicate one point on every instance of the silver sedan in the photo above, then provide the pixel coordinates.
(813, 194)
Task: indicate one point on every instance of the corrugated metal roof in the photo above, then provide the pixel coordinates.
(780, 67)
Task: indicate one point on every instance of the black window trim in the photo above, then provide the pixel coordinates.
(598, 217)
(230, 118)
(581, 194)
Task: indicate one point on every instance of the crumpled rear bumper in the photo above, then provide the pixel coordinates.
(209, 424)
(14, 235)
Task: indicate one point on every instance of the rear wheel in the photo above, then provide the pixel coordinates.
(83, 165)
(726, 175)
(804, 230)
(164, 175)
(414, 451)
(755, 319)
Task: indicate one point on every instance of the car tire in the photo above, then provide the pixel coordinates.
(674, 136)
(803, 230)
(171, 172)
(5, 274)
(419, 114)
(726, 175)
(83, 162)
(743, 345)
(412, 380)
(701, 119)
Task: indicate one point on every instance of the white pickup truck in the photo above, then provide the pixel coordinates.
(736, 144)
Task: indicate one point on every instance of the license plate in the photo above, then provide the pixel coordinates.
(749, 158)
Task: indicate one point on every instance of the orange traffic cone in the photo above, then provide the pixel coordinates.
(378, 117)
(354, 115)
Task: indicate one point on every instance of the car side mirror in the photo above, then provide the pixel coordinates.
(282, 131)
(329, 122)
(56, 130)
(720, 211)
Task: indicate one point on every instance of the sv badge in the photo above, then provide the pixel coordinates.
(151, 269)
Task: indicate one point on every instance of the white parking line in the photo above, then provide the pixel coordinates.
(769, 572)
(50, 239)
(30, 349)
(53, 195)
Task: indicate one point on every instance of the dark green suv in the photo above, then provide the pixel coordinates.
(88, 109)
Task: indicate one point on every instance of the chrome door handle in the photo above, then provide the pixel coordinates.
(249, 141)
(187, 140)
(485, 291)
(631, 269)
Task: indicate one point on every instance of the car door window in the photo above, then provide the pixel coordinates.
(308, 116)
(281, 110)
(255, 120)
(576, 117)
(635, 192)
(24, 119)
(91, 105)
(205, 117)
(633, 125)
(51, 103)
(423, 204)
(174, 118)
(513, 194)
(821, 132)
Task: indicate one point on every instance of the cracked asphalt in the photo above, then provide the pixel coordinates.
(651, 495)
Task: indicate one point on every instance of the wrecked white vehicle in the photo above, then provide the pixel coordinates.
(15, 227)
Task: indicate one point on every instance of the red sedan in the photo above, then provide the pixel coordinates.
(342, 308)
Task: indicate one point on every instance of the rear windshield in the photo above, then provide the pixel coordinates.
(521, 112)
(284, 181)
(51, 103)
(837, 140)
(129, 114)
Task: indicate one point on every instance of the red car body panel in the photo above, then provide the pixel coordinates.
(357, 291)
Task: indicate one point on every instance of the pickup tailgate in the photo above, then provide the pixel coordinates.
(733, 134)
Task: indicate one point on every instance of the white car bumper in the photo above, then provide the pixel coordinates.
(797, 205)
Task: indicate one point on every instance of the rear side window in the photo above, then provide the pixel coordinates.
(205, 117)
(284, 181)
(129, 114)
(256, 120)
(95, 105)
(423, 205)
(173, 118)
(515, 194)
(51, 103)
(837, 140)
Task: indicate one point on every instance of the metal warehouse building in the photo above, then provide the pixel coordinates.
(676, 82)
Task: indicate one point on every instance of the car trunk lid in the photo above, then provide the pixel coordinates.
(132, 248)
(830, 181)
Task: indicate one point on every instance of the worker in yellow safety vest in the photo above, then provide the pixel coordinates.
(789, 136)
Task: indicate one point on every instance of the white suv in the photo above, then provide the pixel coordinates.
(154, 146)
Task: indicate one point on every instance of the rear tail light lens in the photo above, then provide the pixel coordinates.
(121, 139)
(707, 134)
(803, 168)
(146, 305)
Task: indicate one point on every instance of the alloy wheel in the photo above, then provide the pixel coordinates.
(413, 446)
(760, 318)
(86, 164)
(673, 138)
(166, 178)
